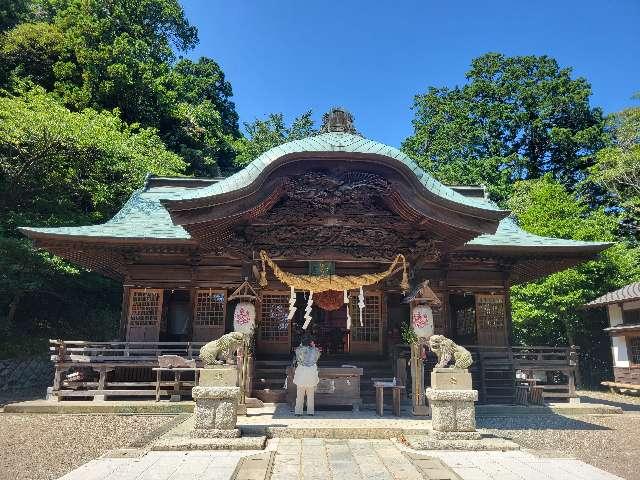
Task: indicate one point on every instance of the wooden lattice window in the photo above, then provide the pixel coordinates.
(490, 311)
(371, 319)
(145, 307)
(633, 347)
(210, 308)
(465, 321)
(274, 324)
(440, 317)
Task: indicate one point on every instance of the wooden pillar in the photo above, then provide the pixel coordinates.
(507, 307)
(124, 316)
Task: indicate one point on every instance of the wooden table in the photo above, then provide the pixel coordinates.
(338, 386)
(177, 372)
(397, 391)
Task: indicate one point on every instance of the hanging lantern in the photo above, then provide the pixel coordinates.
(244, 317)
(422, 320)
(329, 300)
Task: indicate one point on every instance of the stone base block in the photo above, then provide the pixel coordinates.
(455, 435)
(452, 410)
(218, 376)
(216, 433)
(191, 443)
(485, 443)
(420, 410)
(450, 379)
(216, 407)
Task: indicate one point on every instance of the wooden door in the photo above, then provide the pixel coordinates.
(274, 328)
(209, 313)
(368, 337)
(491, 320)
(145, 314)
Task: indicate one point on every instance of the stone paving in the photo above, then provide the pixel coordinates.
(316, 459)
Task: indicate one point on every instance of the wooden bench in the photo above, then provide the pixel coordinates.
(397, 392)
(177, 372)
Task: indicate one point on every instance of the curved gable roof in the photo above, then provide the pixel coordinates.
(331, 142)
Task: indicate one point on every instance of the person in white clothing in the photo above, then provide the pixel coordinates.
(306, 375)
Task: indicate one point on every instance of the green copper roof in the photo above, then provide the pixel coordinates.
(143, 216)
(330, 142)
(509, 234)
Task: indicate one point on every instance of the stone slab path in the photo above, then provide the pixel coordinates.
(319, 459)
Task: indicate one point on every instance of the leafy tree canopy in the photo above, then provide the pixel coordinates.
(617, 166)
(59, 167)
(263, 135)
(122, 55)
(548, 311)
(515, 118)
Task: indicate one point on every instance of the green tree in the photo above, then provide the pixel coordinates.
(617, 166)
(122, 55)
(12, 12)
(548, 311)
(263, 135)
(515, 118)
(59, 167)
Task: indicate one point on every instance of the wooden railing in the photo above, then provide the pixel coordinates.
(79, 351)
(131, 363)
(497, 366)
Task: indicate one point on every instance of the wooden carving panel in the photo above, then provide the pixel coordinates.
(491, 320)
(145, 313)
(209, 314)
(346, 216)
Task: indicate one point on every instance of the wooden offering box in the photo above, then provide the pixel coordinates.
(338, 386)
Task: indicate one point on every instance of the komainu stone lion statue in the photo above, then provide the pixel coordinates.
(224, 346)
(445, 349)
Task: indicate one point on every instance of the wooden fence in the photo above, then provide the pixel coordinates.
(99, 370)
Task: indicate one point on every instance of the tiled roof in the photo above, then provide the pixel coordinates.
(143, 216)
(330, 142)
(509, 234)
(625, 294)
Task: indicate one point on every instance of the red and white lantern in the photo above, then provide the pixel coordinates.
(422, 320)
(244, 317)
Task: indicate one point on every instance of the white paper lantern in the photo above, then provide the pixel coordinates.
(244, 317)
(422, 320)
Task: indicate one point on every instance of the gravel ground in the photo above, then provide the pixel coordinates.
(628, 402)
(609, 442)
(39, 446)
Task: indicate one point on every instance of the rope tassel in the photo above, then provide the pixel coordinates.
(307, 312)
(361, 305)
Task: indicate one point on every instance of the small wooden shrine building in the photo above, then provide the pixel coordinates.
(335, 202)
(623, 311)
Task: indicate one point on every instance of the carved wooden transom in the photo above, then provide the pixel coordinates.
(333, 216)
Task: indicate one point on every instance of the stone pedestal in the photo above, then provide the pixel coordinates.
(452, 402)
(450, 379)
(218, 376)
(216, 412)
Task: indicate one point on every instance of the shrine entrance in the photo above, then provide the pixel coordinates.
(279, 335)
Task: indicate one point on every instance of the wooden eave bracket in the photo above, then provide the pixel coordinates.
(423, 294)
(244, 292)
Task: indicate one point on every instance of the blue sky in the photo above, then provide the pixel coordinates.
(372, 57)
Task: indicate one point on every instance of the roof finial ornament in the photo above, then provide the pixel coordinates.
(338, 119)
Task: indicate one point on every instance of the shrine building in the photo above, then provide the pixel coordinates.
(332, 204)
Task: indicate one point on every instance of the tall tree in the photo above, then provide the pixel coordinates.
(59, 167)
(515, 118)
(122, 55)
(548, 311)
(271, 132)
(618, 166)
